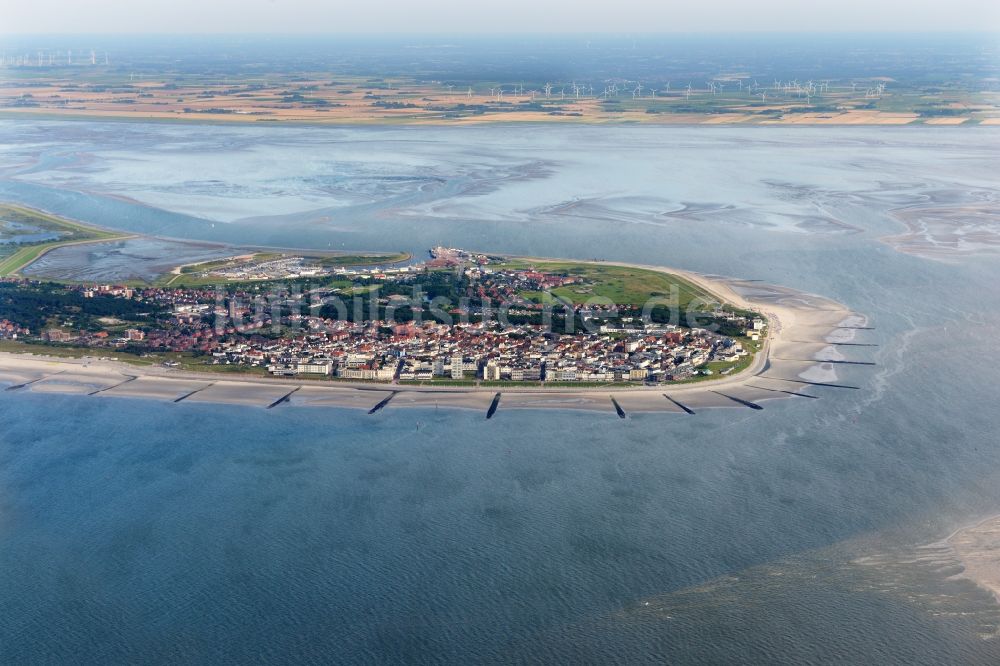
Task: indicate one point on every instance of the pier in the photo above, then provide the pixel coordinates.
(835, 344)
(745, 403)
(283, 398)
(800, 395)
(383, 402)
(618, 408)
(687, 410)
(108, 388)
(824, 360)
(21, 386)
(802, 381)
(191, 393)
(493, 406)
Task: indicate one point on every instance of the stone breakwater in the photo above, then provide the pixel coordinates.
(809, 337)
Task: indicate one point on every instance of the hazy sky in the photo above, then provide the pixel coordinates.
(423, 16)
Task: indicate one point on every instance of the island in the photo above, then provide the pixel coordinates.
(456, 328)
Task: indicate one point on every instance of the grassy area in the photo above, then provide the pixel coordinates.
(621, 285)
(198, 275)
(186, 360)
(346, 260)
(12, 263)
(16, 257)
(64, 351)
(733, 367)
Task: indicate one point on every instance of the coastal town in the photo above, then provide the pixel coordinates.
(457, 317)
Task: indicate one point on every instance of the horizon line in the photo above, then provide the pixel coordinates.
(530, 33)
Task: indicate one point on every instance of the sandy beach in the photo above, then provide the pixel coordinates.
(978, 549)
(802, 330)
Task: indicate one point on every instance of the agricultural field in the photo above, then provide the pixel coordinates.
(327, 98)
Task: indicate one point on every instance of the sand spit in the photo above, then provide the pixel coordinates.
(978, 549)
(808, 334)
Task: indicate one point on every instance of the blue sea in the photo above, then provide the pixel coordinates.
(136, 531)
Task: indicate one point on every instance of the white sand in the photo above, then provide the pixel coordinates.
(235, 392)
(155, 388)
(978, 549)
(332, 396)
(801, 326)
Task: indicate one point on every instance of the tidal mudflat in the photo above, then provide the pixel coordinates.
(517, 189)
(310, 531)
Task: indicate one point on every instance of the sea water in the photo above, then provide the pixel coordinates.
(138, 531)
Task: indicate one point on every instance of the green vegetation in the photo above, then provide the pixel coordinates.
(50, 305)
(14, 257)
(717, 368)
(621, 285)
(363, 259)
(185, 360)
(199, 274)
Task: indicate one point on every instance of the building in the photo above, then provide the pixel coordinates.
(638, 374)
(55, 335)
